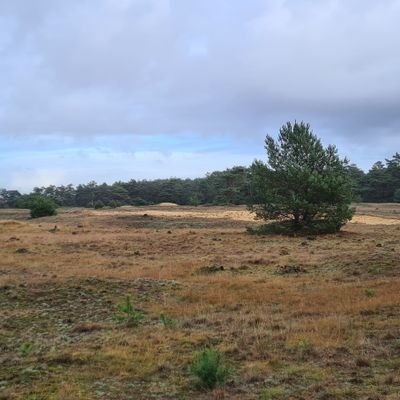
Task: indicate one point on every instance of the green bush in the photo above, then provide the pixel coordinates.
(167, 321)
(128, 314)
(26, 349)
(369, 292)
(303, 187)
(210, 369)
(114, 204)
(42, 206)
(99, 204)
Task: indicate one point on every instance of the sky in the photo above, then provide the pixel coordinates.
(111, 90)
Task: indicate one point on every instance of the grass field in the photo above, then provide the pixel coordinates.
(296, 318)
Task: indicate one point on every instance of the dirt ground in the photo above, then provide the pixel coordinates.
(296, 318)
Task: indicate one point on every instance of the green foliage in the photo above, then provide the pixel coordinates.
(26, 349)
(273, 393)
(383, 181)
(41, 206)
(283, 228)
(231, 186)
(210, 369)
(194, 200)
(138, 201)
(114, 204)
(304, 345)
(167, 321)
(9, 198)
(128, 314)
(396, 196)
(98, 205)
(369, 292)
(302, 184)
(357, 178)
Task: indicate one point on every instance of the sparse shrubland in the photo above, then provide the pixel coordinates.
(313, 317)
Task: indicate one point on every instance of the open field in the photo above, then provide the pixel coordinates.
(297, 318)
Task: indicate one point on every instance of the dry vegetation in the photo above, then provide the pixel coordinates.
(298, 318)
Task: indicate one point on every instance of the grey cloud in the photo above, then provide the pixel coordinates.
(209, 67)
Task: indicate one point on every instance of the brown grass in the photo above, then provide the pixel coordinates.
(296, 318)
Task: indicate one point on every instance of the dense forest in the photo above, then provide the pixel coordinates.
(232, 186)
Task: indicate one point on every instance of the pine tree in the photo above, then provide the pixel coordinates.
(303, 186)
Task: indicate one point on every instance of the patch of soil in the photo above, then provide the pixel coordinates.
(290, 269)
(212, 269)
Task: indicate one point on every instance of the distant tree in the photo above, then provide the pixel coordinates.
(379, 185)
(303, 185)
(357, 178)
(393, 170)
(396, 196)
(9, 198)
(231, 186)
(3, 198)
(86, 194)
(42, 206)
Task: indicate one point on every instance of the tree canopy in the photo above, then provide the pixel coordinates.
(302, 184)
(231, 186)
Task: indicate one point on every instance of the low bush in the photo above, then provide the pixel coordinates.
(210, 369)
(26, 349)
(286, 228)
(42, 206)
(114, 204)
(167, 321)
(128, 314)
(98, 205)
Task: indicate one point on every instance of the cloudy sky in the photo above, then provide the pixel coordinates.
(111, 90)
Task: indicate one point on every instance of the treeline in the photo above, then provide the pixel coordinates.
(222, 187)
(380, 185)
(232, 186)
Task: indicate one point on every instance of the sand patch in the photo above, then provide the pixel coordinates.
(216, 213)
(370, 220)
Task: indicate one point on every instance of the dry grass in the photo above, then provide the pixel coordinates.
(296, 318)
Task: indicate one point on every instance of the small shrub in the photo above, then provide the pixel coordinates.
(369, 292)
(42, 206)
(98, 205)
(114, 204)
(304, 344)
(128, 313)
(167, 321)
(376, 270)
(194, 201)
(210, 369)
(26, 349)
